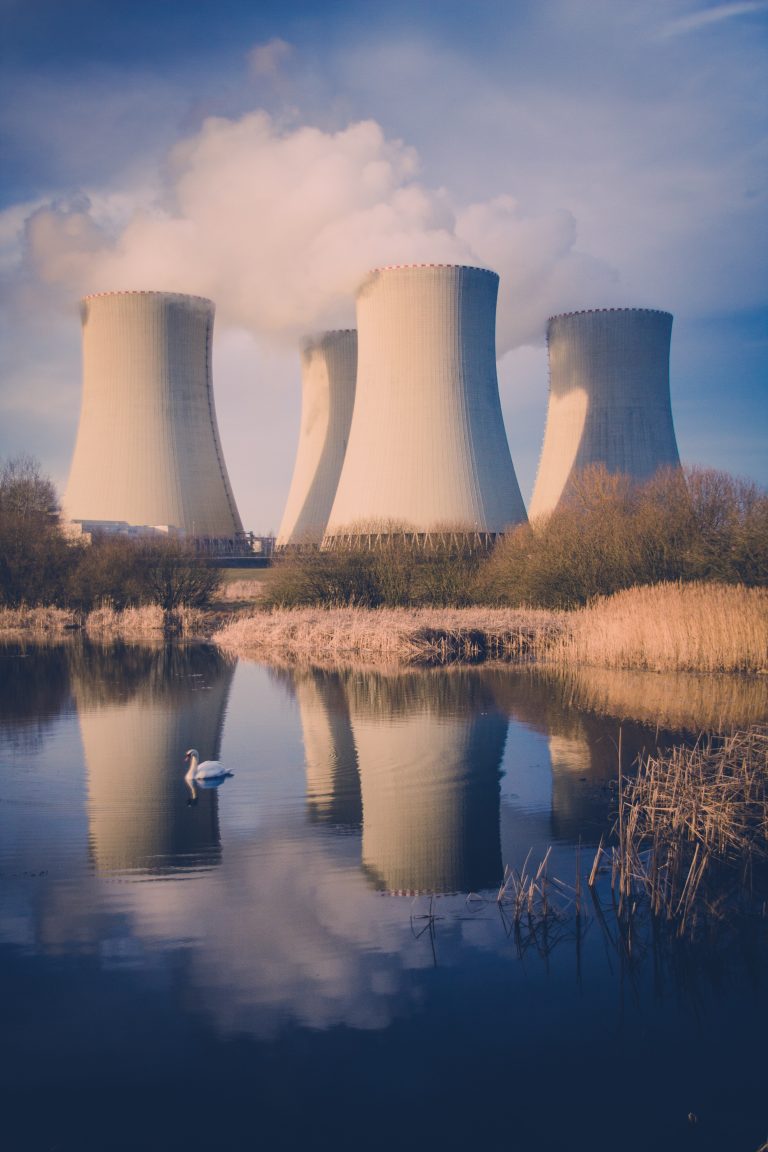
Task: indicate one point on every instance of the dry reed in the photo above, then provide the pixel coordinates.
(397, 635)
(693, 832)
(670, 627)
(147, 622)
(26, 622)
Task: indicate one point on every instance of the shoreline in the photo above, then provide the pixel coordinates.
(701, 628)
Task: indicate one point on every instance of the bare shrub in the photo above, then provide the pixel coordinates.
(34, 557)
(397, 572)
(611, 534)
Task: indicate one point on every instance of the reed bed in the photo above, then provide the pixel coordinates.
(396, 635)
(25, 622)
(147, 622)
(708, 628)
(692, 832)
(670, 628)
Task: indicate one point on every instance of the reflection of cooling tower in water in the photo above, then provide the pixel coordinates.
(583, 748)
(333, 784)
(430, 784)
(581, 799)
(139, 810)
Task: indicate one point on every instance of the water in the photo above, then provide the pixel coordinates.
(291, 960)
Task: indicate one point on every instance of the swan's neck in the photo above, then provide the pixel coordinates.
(192, 770)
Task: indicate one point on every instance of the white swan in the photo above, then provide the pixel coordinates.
(209, 771)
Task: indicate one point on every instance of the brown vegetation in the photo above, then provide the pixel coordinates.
(611, 534)
(670, 628)
(697, 627)
(39, 566)
(693, 831)
(398, 635)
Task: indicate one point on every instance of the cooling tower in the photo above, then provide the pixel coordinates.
(148, 449)
(328, 367)
(427, 446)
(608, 399)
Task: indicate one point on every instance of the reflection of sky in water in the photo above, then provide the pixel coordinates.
(272, 918)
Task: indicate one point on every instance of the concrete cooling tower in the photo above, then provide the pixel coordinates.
(427, 447)
(609, 399)
(328, 369)
(148, 449)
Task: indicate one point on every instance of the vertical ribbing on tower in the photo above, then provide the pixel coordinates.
(427, 445)
(328, 370)
(148, 449)
(609, 400)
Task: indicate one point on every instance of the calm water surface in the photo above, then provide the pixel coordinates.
(291, 961)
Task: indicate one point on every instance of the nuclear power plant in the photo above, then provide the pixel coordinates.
(328, 370)
(401, 432)
(609, 399)
(427, 447)
(148, 450)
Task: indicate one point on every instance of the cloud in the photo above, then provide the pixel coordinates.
(708, 16)
(268, 59)
(280, 226)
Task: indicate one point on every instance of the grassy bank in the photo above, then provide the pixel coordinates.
(710, 628)
(394, 635)
(105, 623)
(669, 627)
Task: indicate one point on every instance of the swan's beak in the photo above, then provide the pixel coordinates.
(186, 757)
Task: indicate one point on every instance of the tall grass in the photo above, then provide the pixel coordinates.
(26, 621)
(107, 623)
(670, 628)
(104, 623)
(396, 635)
(693, 830)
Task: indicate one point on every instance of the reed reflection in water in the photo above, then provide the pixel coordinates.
(137, 718)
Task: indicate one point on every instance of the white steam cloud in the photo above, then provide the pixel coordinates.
(280, 226)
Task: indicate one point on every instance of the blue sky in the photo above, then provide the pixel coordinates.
(267, 154)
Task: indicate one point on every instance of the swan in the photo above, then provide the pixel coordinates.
(210, 771)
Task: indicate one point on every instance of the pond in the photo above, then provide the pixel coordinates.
(314, 954)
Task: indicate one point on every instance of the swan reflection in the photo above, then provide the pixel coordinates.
(134, 729)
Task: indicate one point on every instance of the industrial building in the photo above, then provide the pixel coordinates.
(328, 369)
(148, 449)
(609, 400)
(427, 449)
